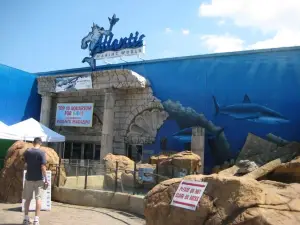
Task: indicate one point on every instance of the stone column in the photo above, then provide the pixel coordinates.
(108, 124)
(45, 109)
(198, 143)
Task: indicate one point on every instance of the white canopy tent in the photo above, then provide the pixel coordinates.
(29, 129)
(3, 125)
(6, 134)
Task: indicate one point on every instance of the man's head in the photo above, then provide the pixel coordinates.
(37, 142)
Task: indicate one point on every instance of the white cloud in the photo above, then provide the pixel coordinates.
(283, 38)
(267, 15)
(168, 30)
(276, 16)
(185, 31)
(222, 43)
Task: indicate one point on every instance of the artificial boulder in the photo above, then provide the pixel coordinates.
(161, 157)
(125, 174)
(124, 163)
(226, 200)
(261, 151)
(287, 172)
(187, 160)
(11, 176)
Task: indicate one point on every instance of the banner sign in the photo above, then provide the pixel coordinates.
(74, 114)
(73, 83)
(146, 174)
(188, 194)
(46, 199)
(102, 45)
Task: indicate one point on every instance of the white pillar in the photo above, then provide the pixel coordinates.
(45, 109)
(198, 143)
(108, 124)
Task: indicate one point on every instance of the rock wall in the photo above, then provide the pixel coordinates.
(11, 176)
(226, 201)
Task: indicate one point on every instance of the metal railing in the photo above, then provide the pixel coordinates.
(94, 175)
(90, 174)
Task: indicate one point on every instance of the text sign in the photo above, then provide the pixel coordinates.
(46, 198)
(74, 114)
(188, 194)
(146, 174)
(120, 53)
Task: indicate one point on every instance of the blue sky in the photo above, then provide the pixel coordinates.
(41, 36)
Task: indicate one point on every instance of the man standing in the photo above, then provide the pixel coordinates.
(34, 180)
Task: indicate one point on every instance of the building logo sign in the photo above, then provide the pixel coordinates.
(102, 44)
(73, 83)
(74, 114)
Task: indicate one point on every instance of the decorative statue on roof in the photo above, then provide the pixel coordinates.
(96, 36)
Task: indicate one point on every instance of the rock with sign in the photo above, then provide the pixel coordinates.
(227, 200)
(11, 176)
(188, 194)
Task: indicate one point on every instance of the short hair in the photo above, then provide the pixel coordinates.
(37, 141)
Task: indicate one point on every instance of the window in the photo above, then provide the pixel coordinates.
(97, 152)
(76, 150)
(135, 152)
(68, 149)
(88, 151)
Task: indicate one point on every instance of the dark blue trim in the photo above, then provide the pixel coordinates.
(120, 65)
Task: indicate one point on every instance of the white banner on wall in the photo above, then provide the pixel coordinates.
(46, 200)
(74, 114)
(73, 83)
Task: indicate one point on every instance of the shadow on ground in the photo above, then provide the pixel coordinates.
(16, 209)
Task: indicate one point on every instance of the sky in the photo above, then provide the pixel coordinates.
(38, 36)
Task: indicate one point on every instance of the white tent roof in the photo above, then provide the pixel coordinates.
(3, 125)
(6, 134)
(29, 129)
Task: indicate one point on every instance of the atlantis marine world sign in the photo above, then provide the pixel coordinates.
(102, 45)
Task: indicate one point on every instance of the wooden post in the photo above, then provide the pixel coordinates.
(116, 176)
(198, 143)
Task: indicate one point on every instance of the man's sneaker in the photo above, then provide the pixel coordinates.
(26, 222)
(36, 223)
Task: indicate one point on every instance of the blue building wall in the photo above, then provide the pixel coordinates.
(19, 98)
(255, 91)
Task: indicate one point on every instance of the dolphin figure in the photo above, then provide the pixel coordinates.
(253, 112)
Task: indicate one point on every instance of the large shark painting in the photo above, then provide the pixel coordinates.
(249, 111)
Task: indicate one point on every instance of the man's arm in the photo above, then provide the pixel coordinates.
(43, 167)
(25, 159)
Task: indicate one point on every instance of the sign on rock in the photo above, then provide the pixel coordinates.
(189, 194)
(46, 199)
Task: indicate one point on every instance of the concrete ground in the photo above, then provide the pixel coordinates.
(63, 214)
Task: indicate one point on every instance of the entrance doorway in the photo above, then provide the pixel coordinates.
(135, 152)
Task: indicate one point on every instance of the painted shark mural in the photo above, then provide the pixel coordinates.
(246, 110)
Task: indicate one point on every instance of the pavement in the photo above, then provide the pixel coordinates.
(64, 214)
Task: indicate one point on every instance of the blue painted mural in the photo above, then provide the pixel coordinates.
(19, 98)
(228, 94)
